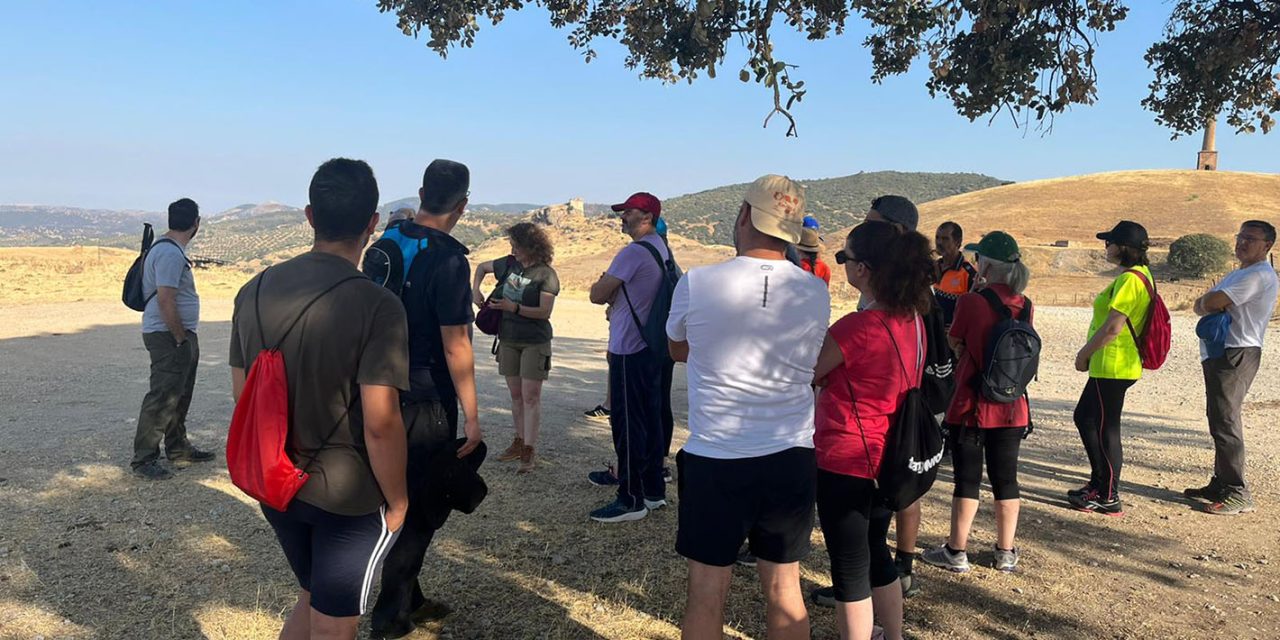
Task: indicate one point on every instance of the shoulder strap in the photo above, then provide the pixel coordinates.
(634, 317)
(996, 303)
(257, 310)
(662, 272)
(1151, 295)
(662, 266)
(914, 381)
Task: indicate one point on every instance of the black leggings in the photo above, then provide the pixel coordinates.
(968, 444)
(854, 525)
(1097, 417)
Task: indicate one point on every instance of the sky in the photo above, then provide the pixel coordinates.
(130, 105)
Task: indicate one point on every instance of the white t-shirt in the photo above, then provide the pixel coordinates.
(754, 329)
(1253, 298)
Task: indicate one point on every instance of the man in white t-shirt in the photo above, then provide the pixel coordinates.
(1248, 296)
(750, 330)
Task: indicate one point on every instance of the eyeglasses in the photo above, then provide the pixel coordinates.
(1240, 237)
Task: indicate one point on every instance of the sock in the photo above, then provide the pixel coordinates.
(904, 560)
(954, 552)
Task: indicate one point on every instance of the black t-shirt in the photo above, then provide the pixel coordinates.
(436, 294)
(355, 334)
(525, 286)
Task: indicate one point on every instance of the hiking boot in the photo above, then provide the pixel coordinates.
(598, 412)
(746, 558)
(606, 478)
(1005, 560)
(527, 462)
(1076, 493)
(1209, 493)
(152, 471)
(617, 512)
(942, 558)
(653, 504)
(824, 596)
(512, 452)
(1232, 504)
(910, 586)
(191, 455)
(1093, 502)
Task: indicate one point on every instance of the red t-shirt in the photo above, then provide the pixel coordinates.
(852, 444)
(817, 268)
(973, 323)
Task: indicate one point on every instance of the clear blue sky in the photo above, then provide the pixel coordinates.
(133, 104)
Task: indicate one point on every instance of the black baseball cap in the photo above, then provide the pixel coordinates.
(1126, 233)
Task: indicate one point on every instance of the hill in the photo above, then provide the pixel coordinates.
(43, 225)
(707, 216)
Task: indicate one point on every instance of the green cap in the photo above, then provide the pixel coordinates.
(997, 245)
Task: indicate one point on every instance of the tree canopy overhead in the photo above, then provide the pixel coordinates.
(1031, 59)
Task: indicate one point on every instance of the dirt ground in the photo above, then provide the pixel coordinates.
(88, 551)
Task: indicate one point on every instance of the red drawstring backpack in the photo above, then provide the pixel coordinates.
(256, 456)
(1157, 337)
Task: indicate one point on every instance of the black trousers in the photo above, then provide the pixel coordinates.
(430, 426)
(635, 380)
(1097, 417)
(855, 526)
(999, 446)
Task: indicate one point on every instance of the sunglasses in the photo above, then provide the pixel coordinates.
(842, 257)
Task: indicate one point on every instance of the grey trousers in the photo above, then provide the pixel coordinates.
(1226, 381)
(164, 409)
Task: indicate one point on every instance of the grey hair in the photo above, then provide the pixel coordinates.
(1014, 274)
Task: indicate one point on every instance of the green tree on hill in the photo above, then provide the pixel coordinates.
(1199, 254)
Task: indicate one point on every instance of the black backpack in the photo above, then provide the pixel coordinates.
(387, 261)
(913, 445)
(938, 382)
(654, 331)
(133, 296)
(1012, 357)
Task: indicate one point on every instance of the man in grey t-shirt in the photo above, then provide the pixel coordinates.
(169, 325)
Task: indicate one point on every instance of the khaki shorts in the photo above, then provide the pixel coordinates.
(527, 361)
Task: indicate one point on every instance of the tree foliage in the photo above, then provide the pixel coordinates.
(1031, 59)
(1199, 254)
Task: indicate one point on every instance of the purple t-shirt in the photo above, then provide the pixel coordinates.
(637, 269)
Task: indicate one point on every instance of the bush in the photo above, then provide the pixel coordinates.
(1199, 254)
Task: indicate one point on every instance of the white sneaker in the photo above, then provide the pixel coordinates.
(943, 559)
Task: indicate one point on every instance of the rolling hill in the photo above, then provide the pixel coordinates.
(707, 216)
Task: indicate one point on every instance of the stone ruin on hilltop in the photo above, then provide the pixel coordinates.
(557, 215)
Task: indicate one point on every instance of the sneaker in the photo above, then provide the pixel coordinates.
(1093, 502)
(910, 586)
(824, 597)
(653, 504)
(746, 558)
(190, 456)
(606, 478)
(152, 471)
(1076, 493)
(1232, 504)
(617, 512)
(598, 412)
(666, 475)
(943, 559)
(1005, 560)
(1209, 493)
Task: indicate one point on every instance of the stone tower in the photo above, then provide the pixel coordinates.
(1207, 159)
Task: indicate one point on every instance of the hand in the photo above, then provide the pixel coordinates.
(504, 305)
(396, 514)
(608, 310)
(477, 298)
(474, 437)
(1082, 361)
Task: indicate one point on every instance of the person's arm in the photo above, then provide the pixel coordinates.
(1212, 302)
(1114, 324)
(462, 370)
(677, 321)
(483, 269)
(237, 383)
(603, 291)
(679, 350)
(385, 442)
(546, 302)
(830, 357)
(167, 299)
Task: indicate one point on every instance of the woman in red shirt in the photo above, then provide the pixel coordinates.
(868, 362)
(809, 246)
(979, 427)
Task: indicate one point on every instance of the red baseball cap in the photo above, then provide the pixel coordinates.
(645, 202)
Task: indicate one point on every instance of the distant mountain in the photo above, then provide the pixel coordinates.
(250, 210)
(510, 208)
(44, 225)
(708, 216)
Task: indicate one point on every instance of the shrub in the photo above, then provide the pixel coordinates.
(1199, 254)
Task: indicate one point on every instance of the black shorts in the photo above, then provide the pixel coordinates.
(336, 558)
(767, 501)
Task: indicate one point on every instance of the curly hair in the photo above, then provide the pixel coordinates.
(900, 263)
(533, 241)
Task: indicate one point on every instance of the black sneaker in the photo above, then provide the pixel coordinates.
(1076, 493)
(606, 478)
(1209, 493)
(824, 597)
(598, 412)
(152, 471)
(1093, 502)
(191, 455)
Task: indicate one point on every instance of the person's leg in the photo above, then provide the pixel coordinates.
(886, 593)
(169, 365)
(1227, 381)
(966, 459)
(348, 553)
(516, 390)
(1002, 447)
(704, 605)
(906, 532)
(608, 388)
(844, 507)
(176, 444)
(626, 421)
(294, 537)
(531, 392)
(326, 627)
(1111, 398)
(1088, 420)
(655, 450)
(298, 625)
(785, 614)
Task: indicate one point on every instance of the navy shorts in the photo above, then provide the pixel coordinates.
(335, 558)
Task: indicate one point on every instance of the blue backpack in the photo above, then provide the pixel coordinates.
(387, 262)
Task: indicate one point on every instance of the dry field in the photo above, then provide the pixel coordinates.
(87, 551)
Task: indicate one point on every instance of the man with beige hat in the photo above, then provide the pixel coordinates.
(750, 330)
